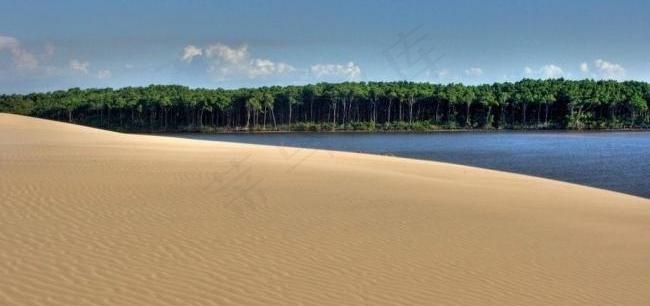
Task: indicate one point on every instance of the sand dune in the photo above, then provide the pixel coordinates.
(89, 217)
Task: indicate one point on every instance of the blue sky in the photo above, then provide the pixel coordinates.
(48, 45)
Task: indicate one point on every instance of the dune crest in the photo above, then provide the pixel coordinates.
(91, 217)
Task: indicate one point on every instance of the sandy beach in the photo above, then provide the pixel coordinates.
(92, 217)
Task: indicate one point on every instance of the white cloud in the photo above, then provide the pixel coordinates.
(225, 61)
(104, 74)
(609, 70)
(77, 65)
(584, 68)
(474, 72)
(260, 67)
(21, 58)
(349, 70)
(546, 72)
(232, 55)
(189, 52)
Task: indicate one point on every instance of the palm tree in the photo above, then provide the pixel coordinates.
(253, 104)
(268, 101)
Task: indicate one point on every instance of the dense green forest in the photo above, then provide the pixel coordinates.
(527, 104)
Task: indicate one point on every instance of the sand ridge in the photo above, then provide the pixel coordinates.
(91, 217)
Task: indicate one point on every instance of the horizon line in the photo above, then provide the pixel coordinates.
(326, 83)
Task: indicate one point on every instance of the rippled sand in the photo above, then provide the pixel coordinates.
(89, 217)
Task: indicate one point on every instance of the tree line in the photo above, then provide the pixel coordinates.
(527, 104)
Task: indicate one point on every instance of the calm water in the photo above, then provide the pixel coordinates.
(612, 160)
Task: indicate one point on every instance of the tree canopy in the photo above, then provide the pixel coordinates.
(527, 104)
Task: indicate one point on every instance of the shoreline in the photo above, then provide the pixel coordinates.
(236, 132)
(377, 131)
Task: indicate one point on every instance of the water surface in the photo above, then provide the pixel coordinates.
(618, 161)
